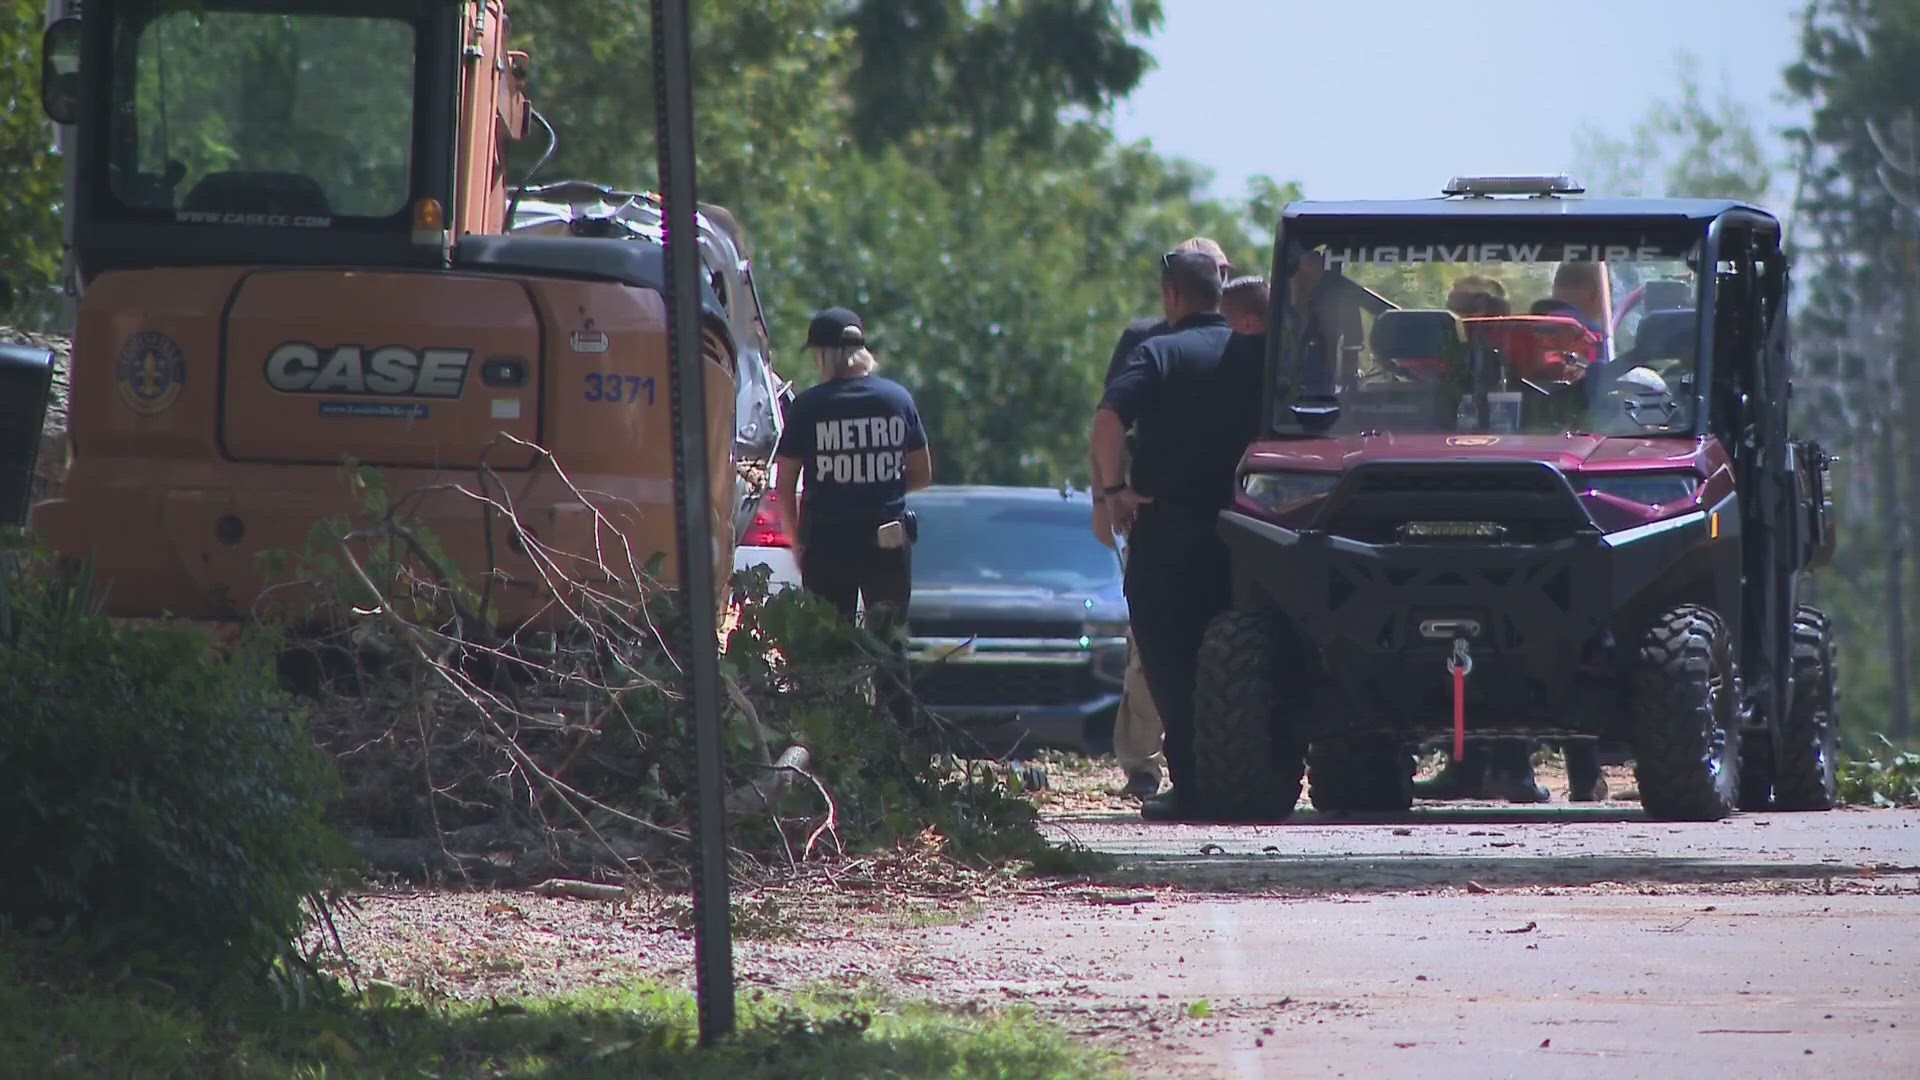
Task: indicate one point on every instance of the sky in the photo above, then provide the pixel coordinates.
(1390, 98)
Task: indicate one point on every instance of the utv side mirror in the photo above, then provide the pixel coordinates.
(60, 71)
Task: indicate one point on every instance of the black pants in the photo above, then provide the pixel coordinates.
(841, 562)
(1177, 580)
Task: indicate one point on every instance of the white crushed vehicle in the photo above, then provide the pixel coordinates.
(582, 208)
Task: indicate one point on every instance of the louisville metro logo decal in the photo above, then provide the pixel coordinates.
(151, 371)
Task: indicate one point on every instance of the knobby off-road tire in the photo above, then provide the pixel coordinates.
(1807, 777)
(1360, 773)
(1247, 765)
(1686, 703)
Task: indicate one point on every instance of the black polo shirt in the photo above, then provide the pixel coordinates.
(1193, 397)
(1136, 332)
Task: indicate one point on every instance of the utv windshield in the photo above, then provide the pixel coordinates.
(234, 116)
(1540, 336)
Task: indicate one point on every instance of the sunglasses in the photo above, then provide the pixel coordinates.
(1166, 263)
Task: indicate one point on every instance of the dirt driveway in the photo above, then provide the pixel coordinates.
(1469, 941)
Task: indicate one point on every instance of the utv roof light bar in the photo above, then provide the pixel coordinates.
(1487, 186)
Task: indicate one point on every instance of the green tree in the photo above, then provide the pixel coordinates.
(1007, 66)
(767, 94)
(1691, 145)
(30, 176)
(1859, 77)
(1859, 69)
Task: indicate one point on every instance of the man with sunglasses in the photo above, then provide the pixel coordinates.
(1195, 402)
(1137, 732)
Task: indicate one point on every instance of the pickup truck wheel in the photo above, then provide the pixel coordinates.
(1361, 773)
(1687, 739)
(1247, 765)
(1808, 776)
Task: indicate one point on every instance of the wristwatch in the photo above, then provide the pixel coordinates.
(1114, 490)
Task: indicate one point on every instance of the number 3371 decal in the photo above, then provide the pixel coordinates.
(614, 388)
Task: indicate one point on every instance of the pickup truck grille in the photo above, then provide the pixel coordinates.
(978, 683)
(994, 628)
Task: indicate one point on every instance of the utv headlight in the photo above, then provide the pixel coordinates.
(1278, 490)
(1647, 489)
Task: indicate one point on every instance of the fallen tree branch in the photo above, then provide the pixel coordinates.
(581, 890)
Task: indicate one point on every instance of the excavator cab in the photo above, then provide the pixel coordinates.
(291, 249)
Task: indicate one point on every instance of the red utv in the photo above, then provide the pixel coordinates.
(1550, 525)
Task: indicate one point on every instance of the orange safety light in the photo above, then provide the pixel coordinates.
(428, 216)
(1714, 527)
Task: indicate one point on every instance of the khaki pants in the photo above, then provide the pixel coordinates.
(1136, 727)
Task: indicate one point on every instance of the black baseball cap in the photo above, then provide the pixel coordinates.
(836, 328)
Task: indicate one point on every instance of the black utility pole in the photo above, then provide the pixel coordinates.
(692, 486)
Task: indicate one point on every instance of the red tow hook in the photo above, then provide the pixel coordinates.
(1461, 664)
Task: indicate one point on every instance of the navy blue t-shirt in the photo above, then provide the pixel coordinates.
(852, 437)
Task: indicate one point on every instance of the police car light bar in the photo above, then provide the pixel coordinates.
(1561, 184)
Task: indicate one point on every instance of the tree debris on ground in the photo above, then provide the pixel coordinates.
(472, 754)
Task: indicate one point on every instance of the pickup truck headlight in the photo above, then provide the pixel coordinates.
(1279, 490)
(1647, 489)
(1107, 639)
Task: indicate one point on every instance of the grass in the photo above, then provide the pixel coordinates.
(1885, 775)
(124, 1026)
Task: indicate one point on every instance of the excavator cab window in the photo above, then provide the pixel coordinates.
(220, 111)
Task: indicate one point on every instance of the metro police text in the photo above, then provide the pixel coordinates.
(862, 450)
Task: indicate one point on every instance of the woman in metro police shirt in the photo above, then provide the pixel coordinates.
(857, 440)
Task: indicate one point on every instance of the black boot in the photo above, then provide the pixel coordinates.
(1171, 805)
(1510, 776)
(1584, 780)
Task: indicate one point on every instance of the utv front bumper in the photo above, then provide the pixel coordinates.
(1552, 621)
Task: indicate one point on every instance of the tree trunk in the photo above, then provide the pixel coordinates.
(1892, 515)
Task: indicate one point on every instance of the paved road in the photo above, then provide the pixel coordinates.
(1502, 846)
(1490, 942)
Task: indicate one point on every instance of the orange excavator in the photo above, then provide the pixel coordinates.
(291, 237)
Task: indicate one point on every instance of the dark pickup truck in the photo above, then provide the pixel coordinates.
(1018, 620)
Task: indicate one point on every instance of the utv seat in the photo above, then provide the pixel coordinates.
(1663, 335)
(1421, 342)
(259, 192)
